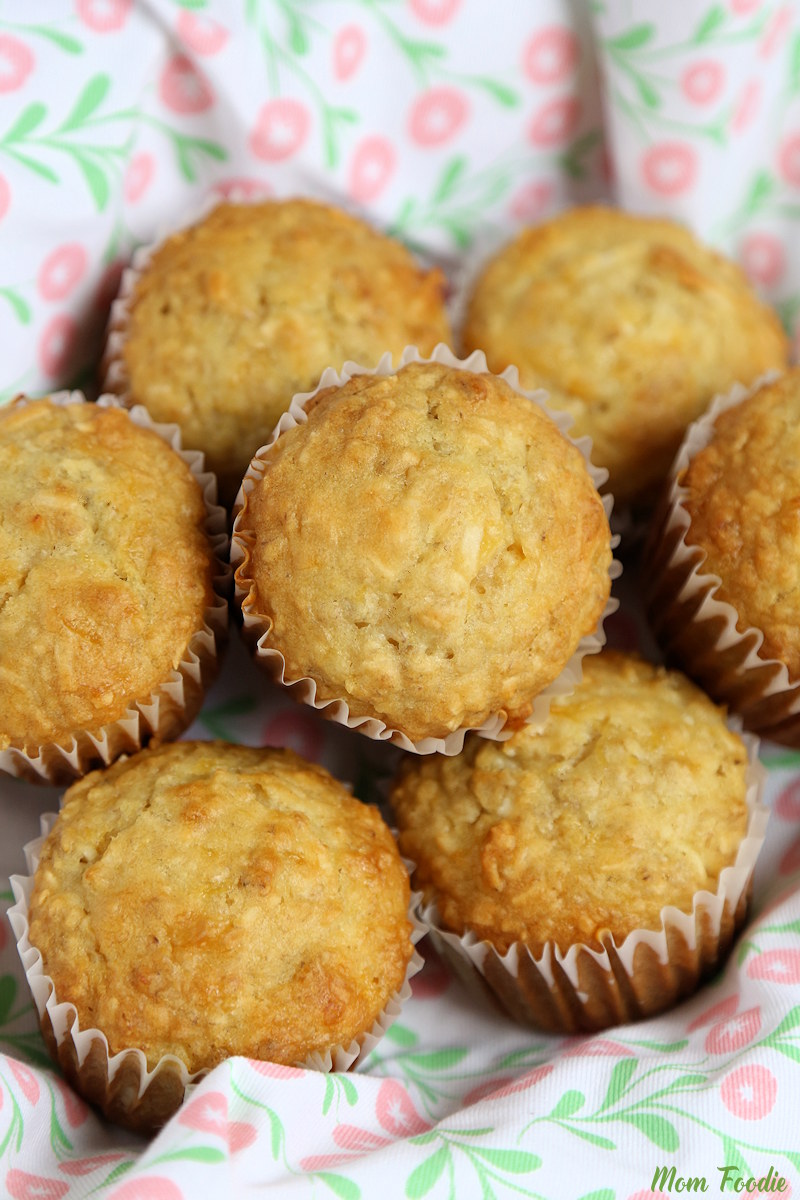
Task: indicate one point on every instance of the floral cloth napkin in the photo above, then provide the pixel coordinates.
(450, 123)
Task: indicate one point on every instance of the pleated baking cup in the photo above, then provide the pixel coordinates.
(585, 989)
(257, 627)
(696, 628)
(172, 706)
(121, 1085)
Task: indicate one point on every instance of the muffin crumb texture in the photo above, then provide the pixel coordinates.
(105, 568)
(428, 547)
(208, 900)
(630, 324)
(743, 499)
(235, 314)
(632, 798)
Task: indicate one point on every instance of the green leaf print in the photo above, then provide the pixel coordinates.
(595, 1138)
(64, 41)
(732, 1157)
(341, 1186)
(202, 1154)
(440, 1060)
(516, 1162)
(350, 1090)
(657, 1129)
(603, 1194)
(709, 24)
(498, 91)
(452, 173)
(21, 308)
(569, 1103)
(794, 65)
(401, 1035)
(87, 103)
(425, 1176)
(26, 122)
(633, 38)
(620, 1078)
(96, 179)
(790, 1021)
(647, 92)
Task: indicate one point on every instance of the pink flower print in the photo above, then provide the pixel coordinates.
(669, 168)
(395, 1111)
(649, 1196)
(103, 16)
(138, 176)
(56, 345)
(551, 55)
(703, 81)
(787, 806)
(744, 8)
(555, 122)
(242, 185)
(201, 34)
(152, 1187)
(522, 1084)
(241, 1134)
(532, 201)
(763, 259)
(5, 197)
(358, 1141)
(349, 48)
(749, 1092)
(597, 1047)
(62, 271)
(789, 159)
(728, 1036)
(182, 88)
(323, 1162)
(297, 730)
(16, 63)
(717, 1012)
(22, 1186)
(778, 966)
(26, 1080)
(791, 859)
(281, 129)
(207, 1113)
(437, 115)
(371, 168)
(276, 1070)
(86, 1166)
(434, 12)
(746, 106)
(490, 1088)
(776, 32)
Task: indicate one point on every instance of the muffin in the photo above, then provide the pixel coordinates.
(426, 547)
(725, 561)
(591, 871)
(109, 620)
(203, 900)
(229, 318)
(630, 324)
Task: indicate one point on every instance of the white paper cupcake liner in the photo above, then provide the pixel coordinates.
(698, 629)
(256, 628)
(172, 706)
(122, 1085)
(585, 989)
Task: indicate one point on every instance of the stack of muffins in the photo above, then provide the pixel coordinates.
(421, 553)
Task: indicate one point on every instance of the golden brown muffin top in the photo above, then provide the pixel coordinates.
(744, 504)
(630, 324)
(206, 900)
(234, 315)
(428, 547)
(105, 568)
(632, 798)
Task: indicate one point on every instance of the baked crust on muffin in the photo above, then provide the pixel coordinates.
(633, 797)
(206, 900)
(743, 500)
(630, 324)
(427, 546)
(106, 569)
(235, 314)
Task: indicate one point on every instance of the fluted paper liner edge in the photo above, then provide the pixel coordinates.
(171, 707)
(585, 989)
(257, 629)
(121, 1085)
